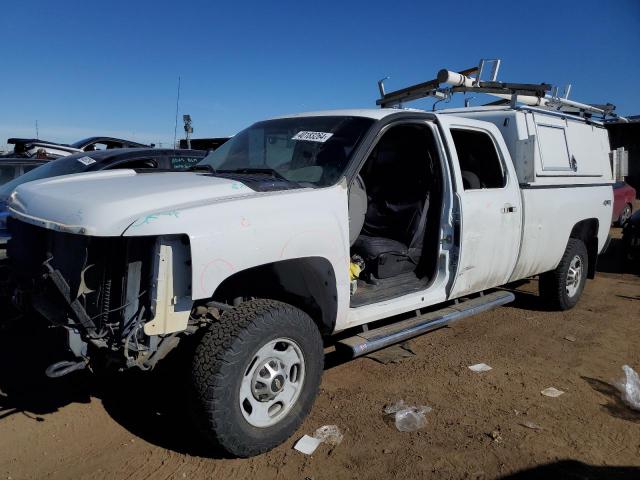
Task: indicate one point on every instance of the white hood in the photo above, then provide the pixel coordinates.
(106, 203)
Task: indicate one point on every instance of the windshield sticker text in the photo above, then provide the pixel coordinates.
(312, 136)
(86, 160)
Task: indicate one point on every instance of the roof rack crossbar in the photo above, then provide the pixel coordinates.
(415, 92)
(531, 89)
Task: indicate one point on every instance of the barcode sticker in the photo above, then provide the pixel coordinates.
(312, 136)
(86, 160)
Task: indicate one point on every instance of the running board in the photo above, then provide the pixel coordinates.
(378, 338)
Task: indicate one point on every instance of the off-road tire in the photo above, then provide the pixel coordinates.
(221, 359)
(553, 284)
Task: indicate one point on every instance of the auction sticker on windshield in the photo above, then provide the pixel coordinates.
(312, 136)
(86, 160)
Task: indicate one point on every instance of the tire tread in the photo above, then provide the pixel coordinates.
(222, 348)
(552, 284)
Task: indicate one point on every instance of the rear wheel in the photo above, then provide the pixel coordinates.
(256, 374)
(562, 287)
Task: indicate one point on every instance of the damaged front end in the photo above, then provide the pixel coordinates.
(124, 301)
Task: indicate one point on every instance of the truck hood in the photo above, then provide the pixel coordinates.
(106, 203)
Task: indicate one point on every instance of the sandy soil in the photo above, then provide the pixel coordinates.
(136, 427)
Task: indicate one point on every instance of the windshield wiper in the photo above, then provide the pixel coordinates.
(258, 170)
(204, 167)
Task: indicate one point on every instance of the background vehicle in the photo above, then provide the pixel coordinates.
(42, 149)
(257, 246)
(631, 240)
(11, 168)
(137, 158)
(623, 198)
(204, 143)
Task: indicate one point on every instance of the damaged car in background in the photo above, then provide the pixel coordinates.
(360, 227)
(43, 149)
(140, 159)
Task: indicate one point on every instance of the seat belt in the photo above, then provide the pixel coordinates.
(418, 237)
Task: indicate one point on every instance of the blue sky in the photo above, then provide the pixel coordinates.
(84, 68)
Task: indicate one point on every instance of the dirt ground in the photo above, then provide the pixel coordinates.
(136, 426)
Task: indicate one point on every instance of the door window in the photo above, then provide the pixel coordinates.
(7, 173)
(480, 163)
(28, 168)
(133, 163)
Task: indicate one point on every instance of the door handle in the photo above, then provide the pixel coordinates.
(508, 208)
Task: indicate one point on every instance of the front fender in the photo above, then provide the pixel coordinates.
(231, 236)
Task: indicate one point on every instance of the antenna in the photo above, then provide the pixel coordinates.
(175, 128)
(37, 132)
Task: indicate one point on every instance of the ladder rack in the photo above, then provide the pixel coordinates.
(448, 82)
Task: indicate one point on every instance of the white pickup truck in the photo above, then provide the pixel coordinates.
(377, 225)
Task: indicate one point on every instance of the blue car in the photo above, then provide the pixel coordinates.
(135, 158)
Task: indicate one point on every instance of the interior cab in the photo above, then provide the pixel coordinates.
(395, 205)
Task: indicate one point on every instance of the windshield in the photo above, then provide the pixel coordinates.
(54, 168)
(311, 151)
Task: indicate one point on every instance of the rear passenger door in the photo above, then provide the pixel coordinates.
(489, 205)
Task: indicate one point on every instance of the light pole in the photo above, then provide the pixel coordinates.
(188, 129)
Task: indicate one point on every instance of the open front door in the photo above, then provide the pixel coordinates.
(490, 206)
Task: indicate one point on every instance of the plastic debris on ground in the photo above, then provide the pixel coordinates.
(329, 434)
(307, 444)
(551, 392)
(570, 338)
(480, 367)
(408, 418)
(630, 387)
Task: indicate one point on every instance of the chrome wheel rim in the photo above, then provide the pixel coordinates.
(272, 382)
(574, 275)
(626, 213)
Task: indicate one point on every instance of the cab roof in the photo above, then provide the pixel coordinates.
(374, 113)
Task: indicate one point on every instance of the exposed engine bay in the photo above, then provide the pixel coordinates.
(124, 301)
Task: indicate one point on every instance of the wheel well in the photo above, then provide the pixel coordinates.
(587, 231)
(306, 283)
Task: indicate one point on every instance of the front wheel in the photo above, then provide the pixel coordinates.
(561, 288)
(255, 375)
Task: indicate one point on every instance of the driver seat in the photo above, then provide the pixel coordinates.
(391, 241)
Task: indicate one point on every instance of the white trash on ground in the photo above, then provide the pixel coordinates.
(630, 387)
(329, 434)
(552, 392)
(408, 418)
(480, 367)
(307, 444)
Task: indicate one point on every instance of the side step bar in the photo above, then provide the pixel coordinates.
(378, 338)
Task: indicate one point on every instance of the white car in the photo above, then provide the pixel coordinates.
(381, 224)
